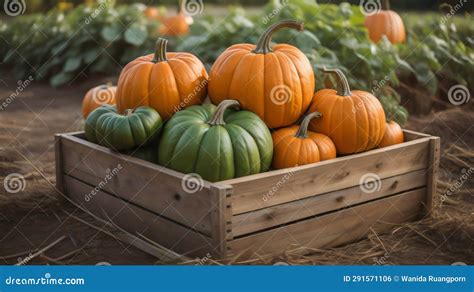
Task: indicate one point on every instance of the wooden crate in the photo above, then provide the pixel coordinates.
(314, 206)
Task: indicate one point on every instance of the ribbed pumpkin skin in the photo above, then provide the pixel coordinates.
(174, 25)
(242, 146)
(385, 22)
(355, 123)
(291, 151)
(393, 135)
(167, 86)
(276, 85)
(106, 127)
(97, 96)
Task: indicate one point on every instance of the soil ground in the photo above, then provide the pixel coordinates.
(36, 216)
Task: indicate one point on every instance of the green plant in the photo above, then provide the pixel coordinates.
(217, 143)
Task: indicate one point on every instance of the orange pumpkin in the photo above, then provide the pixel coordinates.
(153, 13)
(176, 25)
(393, 135)
(355, 120)
(295, 145)
(167, 82)
(277, 83)
(385, 22)
(97, 96)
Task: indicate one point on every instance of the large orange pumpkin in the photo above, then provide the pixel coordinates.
(97, 96)
(295, 145)
(276, 83)
(393, 135)
(167, 82)
(385, 22)
(355, 120)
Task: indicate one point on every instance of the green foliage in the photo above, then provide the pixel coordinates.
(335, 36)
(65, 45)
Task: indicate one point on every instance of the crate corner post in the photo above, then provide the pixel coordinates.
(432, 172)
(221, 196)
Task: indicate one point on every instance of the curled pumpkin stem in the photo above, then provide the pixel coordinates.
(160, 50)
(218, 117)
(343, 88)
(303, 129)
(263, 44)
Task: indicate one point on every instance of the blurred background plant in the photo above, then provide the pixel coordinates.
(75, 38)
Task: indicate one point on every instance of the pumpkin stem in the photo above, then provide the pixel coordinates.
(263, 44)
(385, 5)
(303, 129)
(218, 117)
(128, 112)
(160, 50)
(343, 88)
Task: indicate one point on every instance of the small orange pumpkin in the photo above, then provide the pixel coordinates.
(277, 83)
(393, 135)
(153, 13)
(385, 22)
(97, 96)
(167, 82)
(176, 25)
(295, 145)
(355, 120)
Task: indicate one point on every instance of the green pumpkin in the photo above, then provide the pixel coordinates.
(106, 127)
(217, 143)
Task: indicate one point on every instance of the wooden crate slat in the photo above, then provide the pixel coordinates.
(335, 228)
(145, 184)
(137, 220)
(280, 214)
(326, 176)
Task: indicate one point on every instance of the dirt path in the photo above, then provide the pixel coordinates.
(36, 216)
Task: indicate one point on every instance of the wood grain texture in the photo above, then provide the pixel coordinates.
(323, 203)
(137, 220)
(148, 185)
(58, 156)
(433, 167)
(288, 185)
(333, 229)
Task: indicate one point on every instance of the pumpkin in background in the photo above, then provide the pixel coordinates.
(217, 143)
(385, 22)
(136, 128)
(393, 135)
(97, 96)
(354, 120)
(164, 81)
(277, 83)
(295, 145)
(153, 13)
(176, 25)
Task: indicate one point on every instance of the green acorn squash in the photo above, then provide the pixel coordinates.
(136, 128)
(217, 143)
